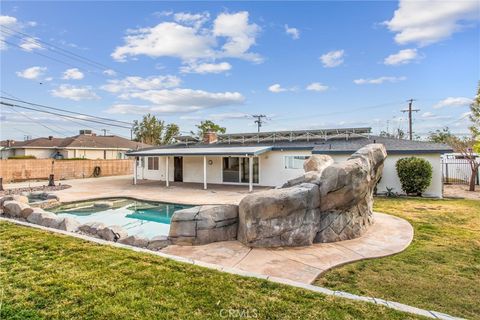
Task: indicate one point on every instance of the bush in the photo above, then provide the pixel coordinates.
(415, 174)
(23, 157)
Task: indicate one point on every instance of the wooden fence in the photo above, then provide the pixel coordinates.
(39, 169)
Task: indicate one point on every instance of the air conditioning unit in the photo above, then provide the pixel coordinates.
(86, 132)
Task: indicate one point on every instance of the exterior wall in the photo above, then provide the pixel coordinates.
(44, 153)
(272, 167)
(38, 153)
(272, 171)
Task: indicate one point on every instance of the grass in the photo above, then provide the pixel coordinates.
(51, 276)
(439, 271)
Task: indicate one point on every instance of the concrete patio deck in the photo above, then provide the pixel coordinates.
(153, 190)
(387, 236)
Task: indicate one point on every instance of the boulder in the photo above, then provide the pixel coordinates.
(330, 202)
(204, 224)
(51, 196)
(158, 243)
(21, 198)
(17, 209)
(112, 233)
(135, 241)
(91, 228)
(69, 224)
(280, 217)
(44, 218)
(3, 199)
(317, 163)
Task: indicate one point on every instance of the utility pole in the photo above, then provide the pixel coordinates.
(259, 120)
(105, 131)
(410, 110)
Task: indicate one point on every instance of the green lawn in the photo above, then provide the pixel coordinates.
(51, 276)
(439, 271)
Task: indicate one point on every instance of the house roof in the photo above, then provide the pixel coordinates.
(317, 146)
(203, 150)
(82, 141)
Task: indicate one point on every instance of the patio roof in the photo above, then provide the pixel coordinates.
(203, 151)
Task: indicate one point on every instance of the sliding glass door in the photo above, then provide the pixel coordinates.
(236, 169)
(245, 170)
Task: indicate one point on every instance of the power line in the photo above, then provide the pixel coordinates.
(63, 110)
(410, 110)
(67, 116)
(38, 122)
(69, 54)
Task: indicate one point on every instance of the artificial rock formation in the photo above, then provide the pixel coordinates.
(331, 202)
(204, 224)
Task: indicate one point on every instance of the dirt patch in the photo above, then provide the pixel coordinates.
(461, 191)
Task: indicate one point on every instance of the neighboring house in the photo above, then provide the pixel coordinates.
(86, 145)
(273, 158)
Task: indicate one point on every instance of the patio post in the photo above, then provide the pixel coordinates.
(135, 170)
(205, 172)
(167, 178)
(250, 174)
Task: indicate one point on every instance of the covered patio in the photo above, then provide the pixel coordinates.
(219, 165)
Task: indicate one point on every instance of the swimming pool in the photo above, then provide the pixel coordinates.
(142, 218)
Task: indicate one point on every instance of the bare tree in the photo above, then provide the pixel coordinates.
(465, 146)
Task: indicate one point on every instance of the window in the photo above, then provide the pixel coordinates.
(235, 169)
(295, 162)
(152, 163)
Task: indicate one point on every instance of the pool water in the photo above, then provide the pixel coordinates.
(142, 218)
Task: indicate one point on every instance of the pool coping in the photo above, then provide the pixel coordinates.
(341, 294)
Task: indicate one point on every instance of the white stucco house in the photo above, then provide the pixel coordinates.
(272, 158)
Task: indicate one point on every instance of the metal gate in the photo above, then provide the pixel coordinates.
(457, 171)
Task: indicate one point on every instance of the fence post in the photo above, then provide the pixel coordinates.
(1, 183)
(446, 172)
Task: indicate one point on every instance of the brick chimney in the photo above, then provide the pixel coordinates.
(210, 137)
(50, 137)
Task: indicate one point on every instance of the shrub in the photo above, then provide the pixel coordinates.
(415, 174)
(23, 157)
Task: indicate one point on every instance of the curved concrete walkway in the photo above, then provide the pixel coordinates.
(387, 236)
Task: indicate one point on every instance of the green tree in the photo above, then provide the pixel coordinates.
(440, 135)
(153, 131)
(209, 125)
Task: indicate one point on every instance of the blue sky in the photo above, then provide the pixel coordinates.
(305, 65)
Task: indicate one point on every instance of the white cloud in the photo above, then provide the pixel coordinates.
(379, 80)
(186, 98)
(195, 20)
(133, 84)
(276, 88)
(317, 86)
(404, 56)
(206, 68)
(332, 59)
(178, 101)
(75, 93)
(9, 22)
(430, 21)
(72, 74)
(29, 44)
(240, 34)
(292, 32)
(166, 39)
(187, 39)
(453, 102)
(32, 73)
(109, 72)
(431, 116)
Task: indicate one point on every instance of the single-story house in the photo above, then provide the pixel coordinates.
(272, 158)
(85, 145)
